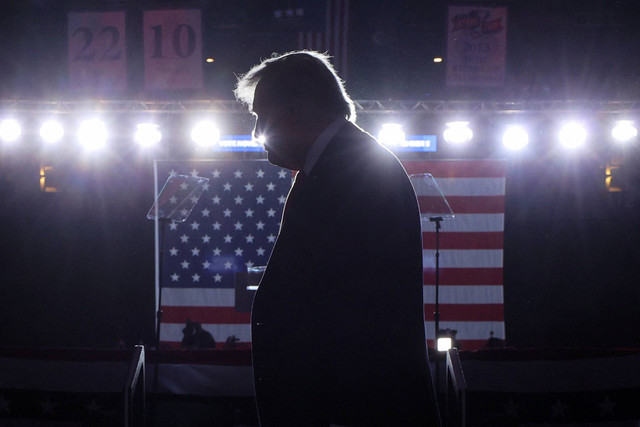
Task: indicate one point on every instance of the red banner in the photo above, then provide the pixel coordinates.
(476, 46)
(172, 49)
(97, 51)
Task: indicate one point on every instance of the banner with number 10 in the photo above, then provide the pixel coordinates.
(172, 49)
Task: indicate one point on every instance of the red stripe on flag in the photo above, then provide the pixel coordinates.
(464, 276)
(458, 240)
(466, 312)
(459, 168)
(467, 204)
(220, 315)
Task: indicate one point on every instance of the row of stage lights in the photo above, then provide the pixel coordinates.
(514, 137)
(93, 133)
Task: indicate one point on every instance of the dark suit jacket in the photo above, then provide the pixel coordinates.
(338, 319)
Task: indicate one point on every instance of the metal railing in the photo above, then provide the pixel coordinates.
(134, 391)
(456, 390)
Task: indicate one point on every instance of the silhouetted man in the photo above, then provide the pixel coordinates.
(338, 319)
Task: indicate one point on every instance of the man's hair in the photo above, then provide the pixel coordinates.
(300, 75)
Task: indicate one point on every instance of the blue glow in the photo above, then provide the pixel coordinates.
(245, 143)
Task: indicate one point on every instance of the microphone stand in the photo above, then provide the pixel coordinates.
(436, 314)
(161, 231)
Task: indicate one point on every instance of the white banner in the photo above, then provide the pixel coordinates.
(97, 51)
(172, 49)
(476, 45)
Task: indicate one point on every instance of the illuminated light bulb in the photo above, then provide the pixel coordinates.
(51, 131)
(572, 135)
(92, 134)
(624, 131)
(205, 134)
(10, 130)
(515, 138)
(457, 132)
(147, 134)
(444, 343)
(391, 134)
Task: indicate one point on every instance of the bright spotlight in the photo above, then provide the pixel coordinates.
(205, 134)
(457, 132)
(624, 131)
(444, 343)
(92, 134)
(391, 134)
(51, 131)
(572, 135)
(515, 138)
(147, 134)
(10, 130)
(260, 139)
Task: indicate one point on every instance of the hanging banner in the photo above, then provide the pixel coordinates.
(97, 51)
(172, 49)
(476, 45)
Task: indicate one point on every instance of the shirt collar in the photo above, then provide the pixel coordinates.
(321, 143)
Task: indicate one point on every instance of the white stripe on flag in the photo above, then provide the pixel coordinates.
(460, 294)
(198, 297)
(468, 223)
(470, 330)
(463, 258)
(172, 332)
(471, 186)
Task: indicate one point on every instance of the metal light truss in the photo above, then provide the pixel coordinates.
(362, 106)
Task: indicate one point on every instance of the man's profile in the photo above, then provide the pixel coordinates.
(338, 319)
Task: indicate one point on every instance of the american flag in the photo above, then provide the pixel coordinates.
(236, 221)
(232, 227)
(334, 38)
(471, 249)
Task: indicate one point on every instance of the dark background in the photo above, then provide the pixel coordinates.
(77, 267)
